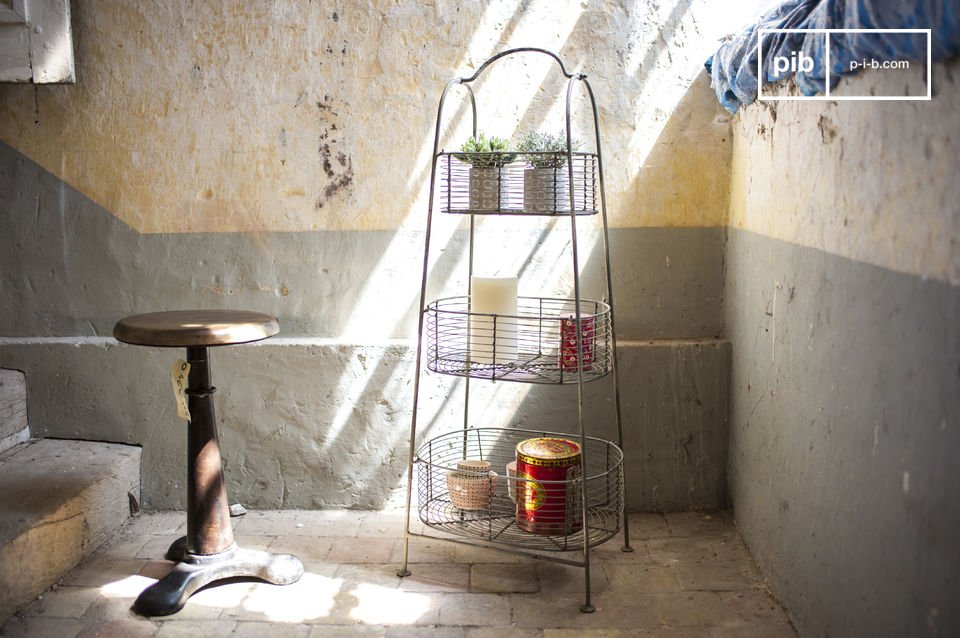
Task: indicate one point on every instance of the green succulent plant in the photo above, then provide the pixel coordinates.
(544, 150)
(484, 152)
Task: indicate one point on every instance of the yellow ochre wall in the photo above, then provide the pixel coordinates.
(293, 116)
(837, 176)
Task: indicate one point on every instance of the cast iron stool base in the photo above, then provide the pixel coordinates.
(169, 594)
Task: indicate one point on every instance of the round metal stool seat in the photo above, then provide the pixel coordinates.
(188, 328)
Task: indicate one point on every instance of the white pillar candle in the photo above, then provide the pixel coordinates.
(493, 296)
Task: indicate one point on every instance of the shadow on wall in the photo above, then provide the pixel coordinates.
(328, 424)
(316, 426)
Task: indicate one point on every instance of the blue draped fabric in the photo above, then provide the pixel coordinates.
(733, 68)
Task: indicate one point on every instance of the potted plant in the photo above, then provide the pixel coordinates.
(545, 182)
(487, 156)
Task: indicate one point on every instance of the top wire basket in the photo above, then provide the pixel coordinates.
(500, 184)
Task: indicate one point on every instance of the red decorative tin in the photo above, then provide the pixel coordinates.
(548, 498)
(568, 342)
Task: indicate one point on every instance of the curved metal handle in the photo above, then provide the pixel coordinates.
(503, 54)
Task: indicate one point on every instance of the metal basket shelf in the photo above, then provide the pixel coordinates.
(542, 341)
(496, 522)
(538, 345)
(481, 184)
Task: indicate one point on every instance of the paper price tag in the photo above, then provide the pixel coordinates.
(178, 376)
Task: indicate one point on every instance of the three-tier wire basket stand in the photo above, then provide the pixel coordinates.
(541, 348)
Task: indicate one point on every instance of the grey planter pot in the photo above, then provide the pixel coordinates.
(546, 190)
(488, 188)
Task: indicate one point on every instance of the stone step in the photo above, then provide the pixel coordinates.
(59, 501)
(13, 409)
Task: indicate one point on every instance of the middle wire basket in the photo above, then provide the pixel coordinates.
(493, 515)
(537, 345)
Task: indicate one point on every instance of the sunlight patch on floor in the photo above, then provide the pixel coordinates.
(378, 605)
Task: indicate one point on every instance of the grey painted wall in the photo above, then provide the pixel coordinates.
(845, 429)
(842, 307)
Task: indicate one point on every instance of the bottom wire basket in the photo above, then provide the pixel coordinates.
(458, 494)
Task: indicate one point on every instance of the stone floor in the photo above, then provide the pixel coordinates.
(690, 575)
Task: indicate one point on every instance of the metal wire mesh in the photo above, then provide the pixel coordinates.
(497, 520)
(538, 345)
(479, 184)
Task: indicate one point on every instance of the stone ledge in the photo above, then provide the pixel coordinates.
(13, 409)
(60, 501)
(310, 424)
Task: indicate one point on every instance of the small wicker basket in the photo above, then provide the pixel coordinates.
(471, 485)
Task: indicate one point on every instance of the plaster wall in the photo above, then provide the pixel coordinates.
(292, 116)
(276, 157)
(841, 306)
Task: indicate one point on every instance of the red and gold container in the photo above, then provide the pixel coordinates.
(548, 499)
(568, 342)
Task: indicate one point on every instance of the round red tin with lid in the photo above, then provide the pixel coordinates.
(548, 495)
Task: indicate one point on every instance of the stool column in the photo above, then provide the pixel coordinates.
(208, 514)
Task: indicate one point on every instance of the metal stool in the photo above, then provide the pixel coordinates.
(208, 552)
